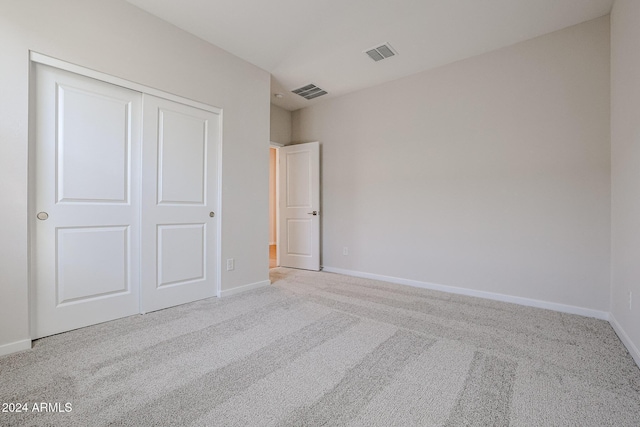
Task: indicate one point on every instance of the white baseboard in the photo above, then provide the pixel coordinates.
(563, 308)
(15, 347)
(631, 347)
(244, 288)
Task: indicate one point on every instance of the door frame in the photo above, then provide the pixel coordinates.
(39, 58)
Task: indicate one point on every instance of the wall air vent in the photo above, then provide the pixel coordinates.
(309, 91)
(381, 52)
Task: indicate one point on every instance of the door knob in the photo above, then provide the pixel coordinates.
(212, 214)
(314, 213)
(42, 216)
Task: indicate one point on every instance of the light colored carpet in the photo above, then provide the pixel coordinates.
(323, 349)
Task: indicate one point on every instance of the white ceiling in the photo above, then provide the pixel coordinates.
(322, 41)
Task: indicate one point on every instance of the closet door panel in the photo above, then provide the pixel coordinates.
(180, 193)
(85, 217)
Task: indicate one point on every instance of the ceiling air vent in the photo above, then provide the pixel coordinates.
(381, 52)
(309, 91)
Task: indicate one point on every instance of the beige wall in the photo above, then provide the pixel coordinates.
(118, 39)
(491, 174)
(280, 125)
(625, 169)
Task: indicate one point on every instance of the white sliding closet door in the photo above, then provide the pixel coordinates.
(85, 246)
(124, 201)
(179, 206)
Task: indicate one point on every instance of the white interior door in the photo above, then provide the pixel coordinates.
(85, 243)
(180, 204)
(299, 240)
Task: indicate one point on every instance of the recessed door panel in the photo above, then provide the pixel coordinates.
(85, 222)
(181, 254)
(298, 179)
(91, 263)
(92, 146)
(182, 159)
(299, 237)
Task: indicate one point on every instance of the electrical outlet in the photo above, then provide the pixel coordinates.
(230, 264)
(345, 251)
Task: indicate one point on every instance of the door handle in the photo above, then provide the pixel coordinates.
(314, 213)
(42, 216)
(212, 214)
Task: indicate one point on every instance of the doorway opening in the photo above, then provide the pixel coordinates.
(273, 207)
